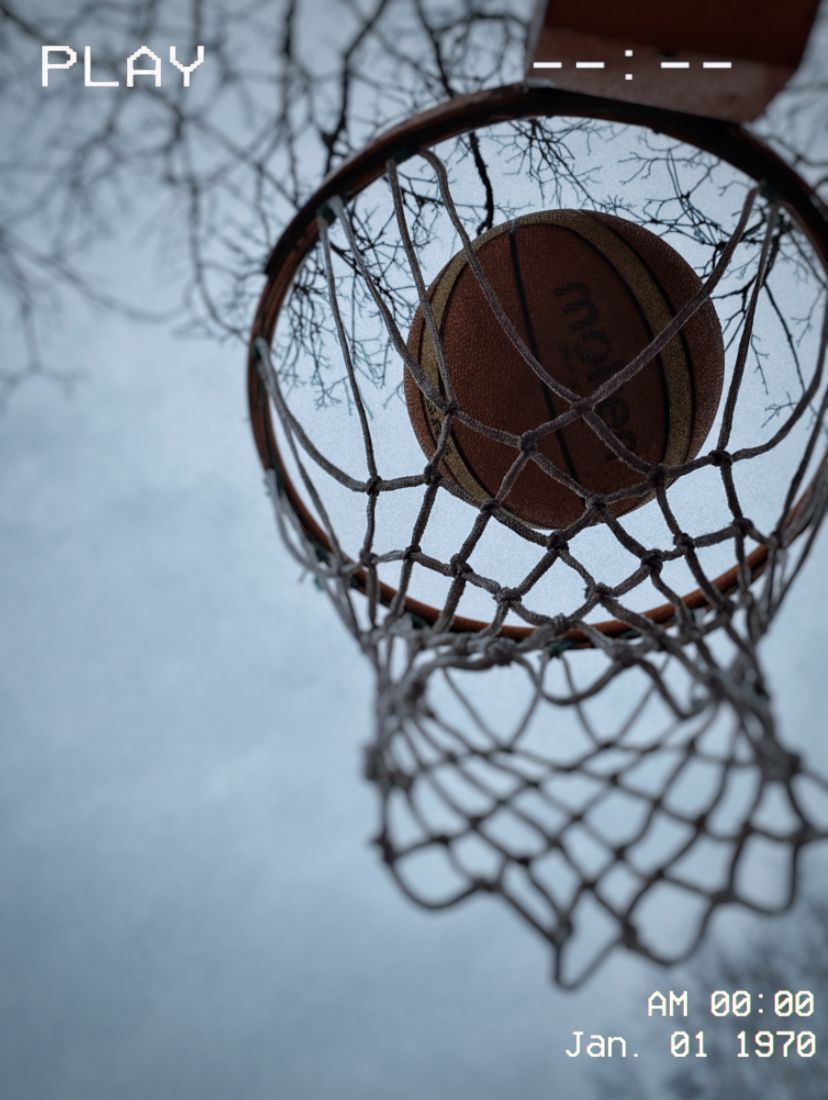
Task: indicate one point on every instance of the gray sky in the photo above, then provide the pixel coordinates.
(189, 905)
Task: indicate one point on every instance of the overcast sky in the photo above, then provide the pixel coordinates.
(189, 904)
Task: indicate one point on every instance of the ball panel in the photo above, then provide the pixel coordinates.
(589, 324)
(702, 334)
(618, 285)
(494, 384)
(672, 366)
(500, 390)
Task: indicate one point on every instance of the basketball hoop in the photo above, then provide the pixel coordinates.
(724, 140)
(345, 284)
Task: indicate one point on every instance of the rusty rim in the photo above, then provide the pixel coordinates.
(725, 140)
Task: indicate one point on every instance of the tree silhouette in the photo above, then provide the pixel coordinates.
(218, 167)
(289, 88)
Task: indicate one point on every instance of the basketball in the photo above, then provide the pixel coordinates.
(586, 292)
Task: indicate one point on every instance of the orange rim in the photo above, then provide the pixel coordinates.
(725, 140)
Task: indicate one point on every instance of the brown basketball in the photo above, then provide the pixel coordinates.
(587, 292)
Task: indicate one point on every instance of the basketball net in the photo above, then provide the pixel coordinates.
(615, 702)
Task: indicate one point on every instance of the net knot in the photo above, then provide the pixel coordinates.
(387, 851)
(411, 551)
(683, 542)
(488, 506)
(507, 596)
(367, 558)
(779, 765)
(529, 442)
(501, 651)
(773, 542)
(562, 933)
(432, 475)
(743, 525)
(458, 567)
(653, 561)
(657, 475)
(720, 457)
(556, 541)
(372, 486)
